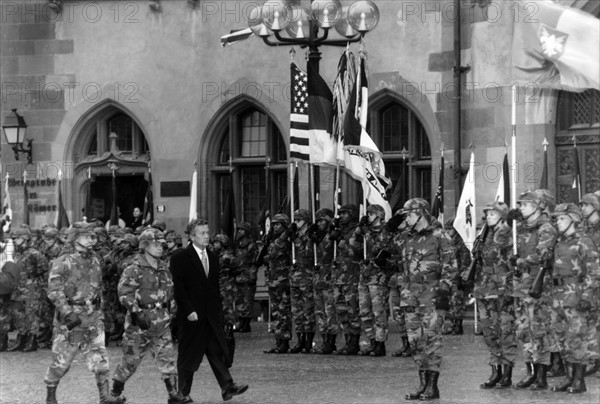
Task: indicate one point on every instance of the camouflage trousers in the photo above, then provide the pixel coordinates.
(244, 298)
(135, 345)
(5, 320)
(89, 340)
(457, 304)
(397, 309)
(346, 307)
(574, 334)
(373, 306)
(497, 318)
(228, 295)
(281, 316)
(532, 328)
(25, 315)
(325, 309)
(114, 314)
(46, 321)
(424, 326)
(303, 305)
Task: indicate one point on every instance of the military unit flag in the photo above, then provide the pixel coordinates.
(437, 207)
(148, 213)
(193, 214)
(503, 192)
(62, 220)
(299, 136)
(465, 222)
(6, 209)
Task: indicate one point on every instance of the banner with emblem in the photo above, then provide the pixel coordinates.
(466, 221)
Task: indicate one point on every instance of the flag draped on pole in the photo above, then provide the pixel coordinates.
(114, 213)
(236, 36)
(343, 85)
(228, 215)
(465, 222)
(544, 179)
(148, 213)
(437, 207)
(576, 175)
(503, 192)
(323, 146)
(558, 48)
(62, 220)
(6, 208)
(299, 137)
(193, 213)
(25, 199)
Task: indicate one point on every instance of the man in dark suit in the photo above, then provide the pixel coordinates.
(200, 314)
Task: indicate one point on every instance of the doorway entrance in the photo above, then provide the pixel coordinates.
(131, 191)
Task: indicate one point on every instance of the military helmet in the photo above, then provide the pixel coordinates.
(546, 199)
(113, 229)
(172, 235)
(36, 233)
(324, 214)
(139, 230)
(416, 204)
(22, 231)
(449, 224)
(79, 228)
(281, 218)
(145, 238)
(378, 210)
(303, 214)
(570, 209)
(499, 207)
(50, 232)
(101, 232)
(133, 240)
(244, 226)
(529, 196)
(159, 224)
(591, 199)
(223, 239)
(349, 208)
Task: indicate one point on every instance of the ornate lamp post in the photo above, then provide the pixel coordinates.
(14, 130)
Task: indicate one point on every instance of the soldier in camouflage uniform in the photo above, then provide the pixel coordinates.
(590, 209)
(429, 271)
(173, 240)
(322, 283)
(535, 239)
(375, 273)
(26, 300)
(493, 291)
(573, 290)
(245, 250)
(74, 286)
(146, 290)
(301, 282)
(228, 266)
(345, 274)
(277, 276)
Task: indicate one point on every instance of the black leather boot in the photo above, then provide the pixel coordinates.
(423, 379)
(3, 342)
(566, 383)
(431, 392)
(19, 343)
(590, 370)
(369, 349)
(51, 394)
(556, 365)
(284, 347)
(379, 349)
(352, 345)
(30, 343)
(300, 344)
(174, 396)
(541, 383)
(529, 378)
(117, 390)
(401, 351)
(320, 349)
(332, 338)
(578, 385)
(308, 342)
(102, 383)
(494, 378)
(506, 380)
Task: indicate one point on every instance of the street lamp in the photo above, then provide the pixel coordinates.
(14, 130)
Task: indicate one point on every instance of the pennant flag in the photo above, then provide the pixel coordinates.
(503, 192)
(236, 36)
(62, 220)
(148, 213)
(193, 213)
(559, 48)
(465, 222)
(576, 176)
(6, 209)
(437, 207)
(299, 137)
(25, 199)
(323, 147)
(544, 179)
(228, 214)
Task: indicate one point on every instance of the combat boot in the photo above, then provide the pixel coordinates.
(556, 365)
(494, 378)
(458, 327)
(379, 349)
(405, 347)
(423, 380)
(30, 343)
(300, 344)
(369, 349)
(324, 348)
(565, 384)
(431, 392)
(308, 342)
(284, 347)
(51, 394)
(541, 382)
(102, 383)
(117, 390)
(343, 349)
(506, 380)
(19, 343)
(3, 342)
(529, 378)
(593, 369)
(174, 396)
(578, 385)
(332, 338)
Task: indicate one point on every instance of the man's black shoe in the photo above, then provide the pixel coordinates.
(187, 399)
(233, 390)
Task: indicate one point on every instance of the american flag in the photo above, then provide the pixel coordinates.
(299, 134)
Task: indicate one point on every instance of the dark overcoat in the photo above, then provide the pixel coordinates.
(194, 292)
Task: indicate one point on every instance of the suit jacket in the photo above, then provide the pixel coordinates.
(194, 292)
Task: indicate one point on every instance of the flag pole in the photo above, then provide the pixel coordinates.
(313, 204)
(292, 175)
(336, 193)
(26, 199)
(513, 194)
(364, 204)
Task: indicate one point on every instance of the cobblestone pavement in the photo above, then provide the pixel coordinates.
(283, 379)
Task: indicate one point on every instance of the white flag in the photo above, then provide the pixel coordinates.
(194, 197)
(465, 222)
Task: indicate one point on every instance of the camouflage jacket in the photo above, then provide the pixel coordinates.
(593, 232)
(575, 259)
(463, 255)
(304, 268)
(494, 278)
(347, 269)
(34, 266)
(534, 245)
(279, 260)
(246, 251)
(228, 267)
(75, 284)
(51, 251)
(324, 246)
(429, 263)
(378, 240)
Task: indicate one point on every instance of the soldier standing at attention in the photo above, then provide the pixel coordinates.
(245, 251)
(51, 247)
(535, 238)
(575, 259)
(277, 276)
(74, 286)
(430, 269)
(228, 265)
(146, 290)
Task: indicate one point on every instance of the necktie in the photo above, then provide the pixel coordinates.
(204, 260)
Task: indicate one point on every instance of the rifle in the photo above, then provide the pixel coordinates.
(477, 259)
(537, 287)
(264, 248)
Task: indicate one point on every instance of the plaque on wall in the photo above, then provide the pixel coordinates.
(174, 188)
